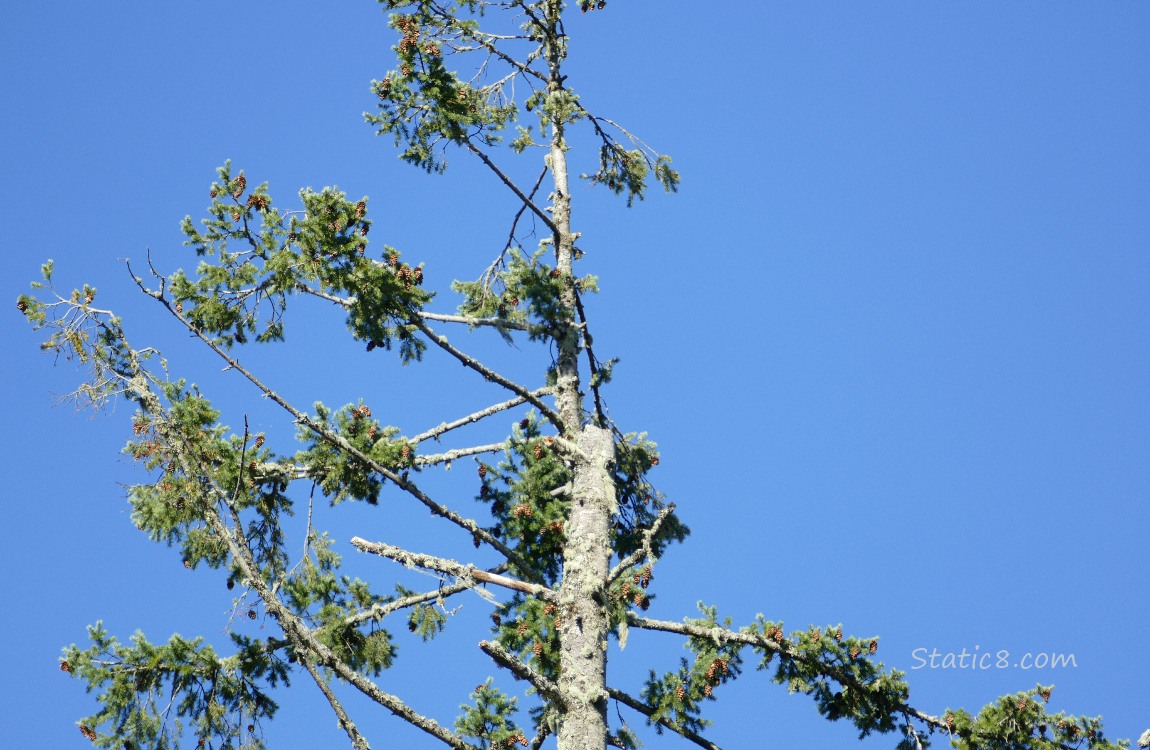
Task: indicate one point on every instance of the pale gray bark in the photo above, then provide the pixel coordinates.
(583, 633)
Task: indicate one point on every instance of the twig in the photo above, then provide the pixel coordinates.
(487, 373)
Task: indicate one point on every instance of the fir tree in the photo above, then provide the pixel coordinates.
(569, 513)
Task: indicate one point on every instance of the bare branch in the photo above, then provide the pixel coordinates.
(511, 184)
(649, 712)
(435, 432)
(488, 373)
(346, 724)
(379, 611)
(450, 567)
(449, 456)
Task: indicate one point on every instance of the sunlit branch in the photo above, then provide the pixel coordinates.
(492, 322)
(450, 567)
(449, 456)
(435, 432)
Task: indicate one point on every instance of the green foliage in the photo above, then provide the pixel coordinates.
(151, 694)
(423, 104)
(1021, 720)
(241, 292)
(488, 718)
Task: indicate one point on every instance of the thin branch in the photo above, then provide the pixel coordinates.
(649, 712)
(379, 611)
(450, 567)
(522, 671)
(346, 724)
(435, 432)
(416, 318)
(487, 372)
(592, 360)
(511, 184)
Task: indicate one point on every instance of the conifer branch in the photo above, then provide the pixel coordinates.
(650, 712)
(416, 318)
(332, 438)
(450, 567)
(345, 723)
(720, 634)
(521, 670)
(513, 187)
(292, 624)
(435, 432)
(449, 456)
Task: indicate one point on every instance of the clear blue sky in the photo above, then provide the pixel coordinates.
(891, 336)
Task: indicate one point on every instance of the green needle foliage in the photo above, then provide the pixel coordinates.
(564, 501)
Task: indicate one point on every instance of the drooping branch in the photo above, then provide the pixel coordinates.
(522, 671)
(450, 567)
(720, 635)
(301, 637)
(649, 712)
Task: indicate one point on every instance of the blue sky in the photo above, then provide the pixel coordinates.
(890, 336)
